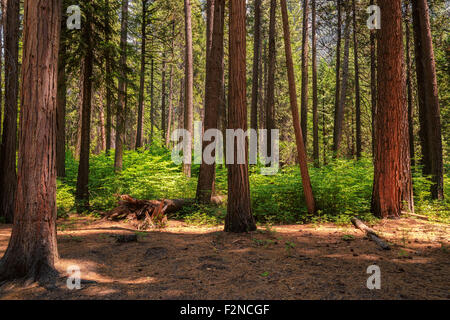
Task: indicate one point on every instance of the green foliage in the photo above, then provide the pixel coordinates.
(342, 189)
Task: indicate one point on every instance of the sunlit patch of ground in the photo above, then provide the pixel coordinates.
(284, 262)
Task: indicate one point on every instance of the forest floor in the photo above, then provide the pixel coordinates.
(317, 261)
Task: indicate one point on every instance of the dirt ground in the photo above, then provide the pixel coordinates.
(283, 262)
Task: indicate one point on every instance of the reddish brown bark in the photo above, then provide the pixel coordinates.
(239, 213)
(8, 180)
(429, 109)
(304, 94)
(409, 83)
(392, 189)
(301, 152)
(32, 250)
(338, 80)
(373, 82)
(213, 97)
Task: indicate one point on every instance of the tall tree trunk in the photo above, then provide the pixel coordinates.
(163, 97)
(61, 103)
(121, 106)
(152, 99)
(342, 100)
(189, 84)
(306, 181)
(109, 80)
(429, 109)
(270, 94)
(392, 189)
(8, 183)
(32, 250)
(171, 113)
(338, 81)
(314, 79)
(373, 82)
(213, 98)
(239, 216)
(357, 86)
(409, 83)
(304, 96)
(256, 64)
(82, 191)
(140, 116)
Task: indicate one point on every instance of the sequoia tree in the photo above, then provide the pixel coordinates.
(32, 250)
(213, 96)
(239, 216)
(392, 188)
(8, 180)
(429, 109)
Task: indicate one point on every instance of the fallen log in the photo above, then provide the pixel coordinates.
(144, 214)
(371, 234)
(415, 215)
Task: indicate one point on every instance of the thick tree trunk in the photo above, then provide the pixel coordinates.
(61, 103)
(213, 98)
(338, 80)
(121, 106)
(315, 97)
(270, 94)
(392, 189)
(256, 64)
(140, 115)
(306, 181)
(189, 84)
(304, 95)
(82, 191)
(32, 250)
(429, 109)
(8, 182)
(239, 216)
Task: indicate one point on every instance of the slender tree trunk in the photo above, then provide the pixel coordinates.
(140, 116)
(171, 113)
(121, 106)
(61, 104)
(392, 189)
(256, 64)
(338, 81)
(315, 97)
(306, 181)
(32, 250)
(357, 86)
(304, 96)
(324, 133)
(345, 74)
(163, 97)
(8, 183)
(270, 94)
(109, 81)
(189, 84)
(239, 216)
(429, 109)
(82, 191)
(409, 84)
(152, 99)
(373, 83)
(213, 98)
